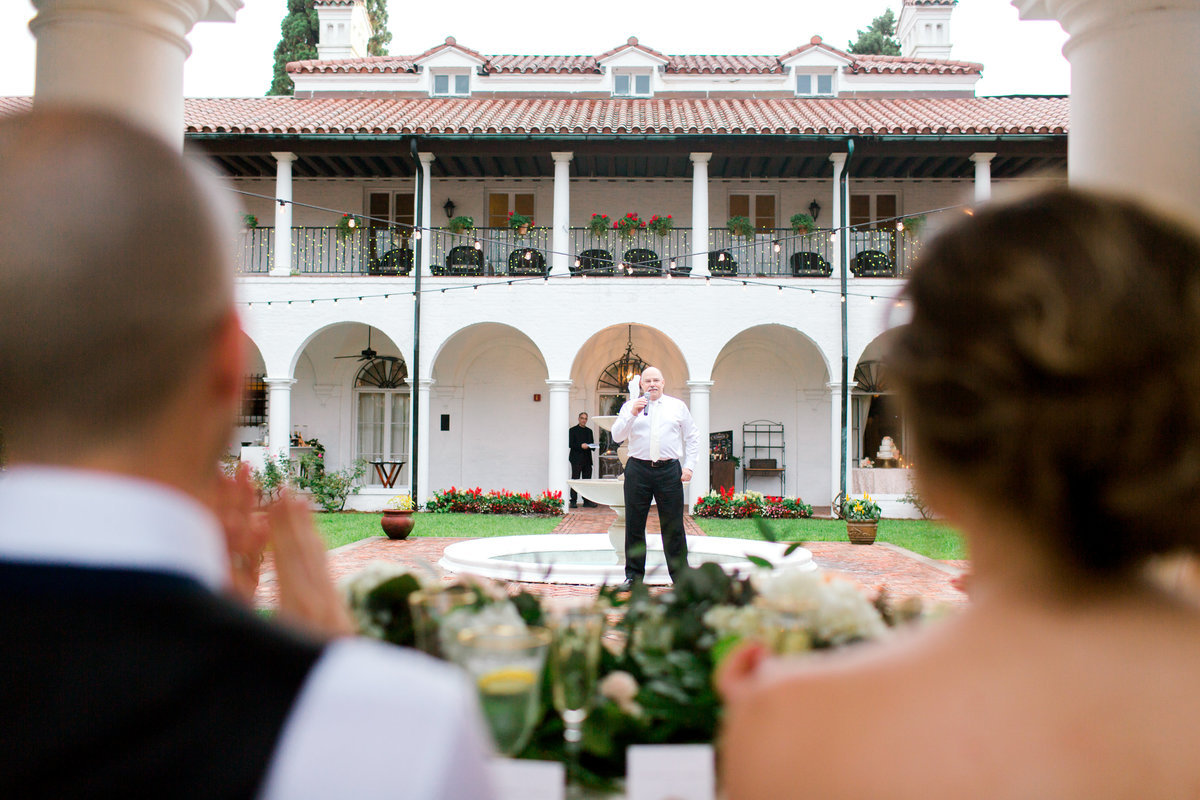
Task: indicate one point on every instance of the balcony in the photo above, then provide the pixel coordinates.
(501, 252)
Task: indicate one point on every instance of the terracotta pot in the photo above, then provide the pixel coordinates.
(522, 230)
(397, 524)
(861, 532)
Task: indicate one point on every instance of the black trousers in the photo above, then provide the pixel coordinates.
(580, 471)
(663, 485)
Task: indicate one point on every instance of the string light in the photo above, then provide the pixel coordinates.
(478, 245)
(672, 264)
(777, 246)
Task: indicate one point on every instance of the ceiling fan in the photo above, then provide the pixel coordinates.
(369, 354)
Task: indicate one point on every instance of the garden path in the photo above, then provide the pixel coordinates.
(902, 572)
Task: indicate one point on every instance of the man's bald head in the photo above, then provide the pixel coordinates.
(653, 382)
(114, 277)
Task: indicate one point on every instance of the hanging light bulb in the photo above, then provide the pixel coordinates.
(899, 224)
(970, 212)
(720, 257)
(833, 236)
(352, 223)
(776, 246)
(416, 233)
(478, 245)
(672, 263)
(843, 298)
(529, 255)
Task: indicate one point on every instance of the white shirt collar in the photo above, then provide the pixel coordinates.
(55, 515)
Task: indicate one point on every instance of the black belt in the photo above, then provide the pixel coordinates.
(665, 462)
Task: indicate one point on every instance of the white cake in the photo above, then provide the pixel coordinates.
(886, 448)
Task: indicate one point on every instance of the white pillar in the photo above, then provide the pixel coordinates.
(422, 434)
(983, 176)
(1135, 110)
(426, 221)
(835, 246)
(279, 415)
(282, 264)
(561, 242)
(835, 472)
(699, 404)
(699, 248)
(122, 57)
(559, 421)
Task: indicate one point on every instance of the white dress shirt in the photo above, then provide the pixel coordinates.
(677, 434)
(370, 721)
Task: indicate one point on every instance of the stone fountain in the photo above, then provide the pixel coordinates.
(597, 558)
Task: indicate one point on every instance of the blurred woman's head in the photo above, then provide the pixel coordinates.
(1051, 372)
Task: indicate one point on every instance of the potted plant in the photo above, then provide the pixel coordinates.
(628, 225)
(660, 225)
(460, 224)
(862, 516)
(599, 224)
(913, 225)
(398, 519)
(519, 223)
(346, 226)
(803, 223)
(249, 220)
(740, 226)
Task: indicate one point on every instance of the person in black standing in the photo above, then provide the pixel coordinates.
(582, 444)
(664, 445)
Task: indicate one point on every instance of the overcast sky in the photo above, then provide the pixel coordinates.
(234, 60)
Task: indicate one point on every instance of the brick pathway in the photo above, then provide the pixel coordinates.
(901, 571)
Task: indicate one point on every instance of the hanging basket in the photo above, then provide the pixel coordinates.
(861, 532)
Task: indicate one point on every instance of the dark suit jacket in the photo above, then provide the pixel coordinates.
(577, 437)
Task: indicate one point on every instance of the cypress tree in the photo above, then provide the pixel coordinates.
(298, 41)
(879, 39)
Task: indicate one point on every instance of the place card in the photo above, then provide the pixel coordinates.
(671, 772)
(521, 779)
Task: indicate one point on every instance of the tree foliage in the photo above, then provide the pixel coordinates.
(879, 39)
(297, 42)
(381, 36)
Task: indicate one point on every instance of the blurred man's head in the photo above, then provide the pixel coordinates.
(652, 382)
(115, 284)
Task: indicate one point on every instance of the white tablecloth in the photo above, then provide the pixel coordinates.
(880, 481)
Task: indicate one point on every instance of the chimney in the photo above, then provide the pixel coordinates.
(343, 29)
(924, 28)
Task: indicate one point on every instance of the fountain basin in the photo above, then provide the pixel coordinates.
(589, 558)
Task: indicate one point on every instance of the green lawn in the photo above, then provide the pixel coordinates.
(931, 539)
(340, 529)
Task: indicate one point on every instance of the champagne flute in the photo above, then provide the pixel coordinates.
(506, 663)
(574, 662)
(434, 611)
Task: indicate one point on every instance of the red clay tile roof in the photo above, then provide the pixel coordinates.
(912, 65)
(682, 65)
(834, 116)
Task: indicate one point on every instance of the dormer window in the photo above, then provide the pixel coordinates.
(814, 83)
(451, 84)
(631, 84)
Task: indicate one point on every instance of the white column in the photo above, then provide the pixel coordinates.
(122, 57)
(559, 421)
(835, 428)
(835, 247)
(426, 221)
(1135, 111)
(699, 403)
(699, 248)
(422, 434)
(561, 242)
(279, 415)
(282, 264)
(983, 176)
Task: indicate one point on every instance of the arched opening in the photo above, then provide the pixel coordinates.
(382, 405)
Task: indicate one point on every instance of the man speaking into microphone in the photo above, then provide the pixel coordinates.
(663, 447)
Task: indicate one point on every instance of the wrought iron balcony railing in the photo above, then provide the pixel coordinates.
(502, 252)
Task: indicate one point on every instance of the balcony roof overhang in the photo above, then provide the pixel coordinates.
(627, 156)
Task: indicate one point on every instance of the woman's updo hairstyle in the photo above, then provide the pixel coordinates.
(1051, 372)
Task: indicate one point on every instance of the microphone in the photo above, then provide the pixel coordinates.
(646, 408)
